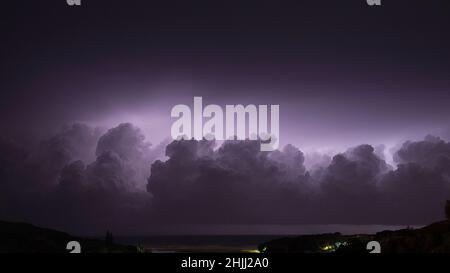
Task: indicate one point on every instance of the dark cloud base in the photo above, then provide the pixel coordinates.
(86, 180)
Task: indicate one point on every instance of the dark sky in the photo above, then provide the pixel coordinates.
(344, 73)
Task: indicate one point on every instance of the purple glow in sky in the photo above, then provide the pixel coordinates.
(343, 74)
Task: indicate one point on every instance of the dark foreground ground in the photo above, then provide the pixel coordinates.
(434, 238)
(26, 238)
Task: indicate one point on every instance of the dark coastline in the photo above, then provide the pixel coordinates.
(26, 238)
(434, 238)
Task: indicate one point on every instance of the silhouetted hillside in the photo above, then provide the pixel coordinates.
(26, 238)
(434, 238)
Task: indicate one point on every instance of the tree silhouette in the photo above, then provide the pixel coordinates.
(447, 209)
(109, 239)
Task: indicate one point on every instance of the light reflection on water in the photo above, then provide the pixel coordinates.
(234, 238)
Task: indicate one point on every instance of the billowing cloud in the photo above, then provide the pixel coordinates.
(123, 159)
(236, 183)
(117, 180)
(74, 142)
(418, 188)
(429, 153)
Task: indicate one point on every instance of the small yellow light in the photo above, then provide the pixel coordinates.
(250, 251)
(326, 248)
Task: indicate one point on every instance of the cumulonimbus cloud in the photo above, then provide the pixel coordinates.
(116, 179)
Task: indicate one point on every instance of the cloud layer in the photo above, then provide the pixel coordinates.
(83, 179)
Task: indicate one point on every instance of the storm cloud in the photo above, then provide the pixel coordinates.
(85, 180)
(239, 184)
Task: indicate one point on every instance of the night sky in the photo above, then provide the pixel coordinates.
(343, 73)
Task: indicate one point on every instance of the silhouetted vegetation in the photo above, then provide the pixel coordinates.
(26, 238)
(434, 238)
(109, 239)
(447, 209)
